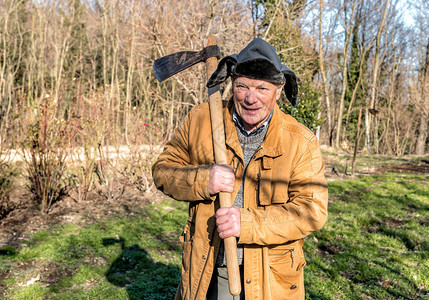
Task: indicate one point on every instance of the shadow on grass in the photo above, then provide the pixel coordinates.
(140, 275)
(365, 282)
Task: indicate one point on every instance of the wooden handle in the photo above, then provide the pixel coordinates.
(218, 131)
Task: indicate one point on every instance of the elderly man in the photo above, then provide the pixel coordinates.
(275, 176)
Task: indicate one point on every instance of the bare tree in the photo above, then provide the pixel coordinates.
(12, 29)
(375, 71)
(92, 57)
(347, 13)
(421, 96)
(323, 70)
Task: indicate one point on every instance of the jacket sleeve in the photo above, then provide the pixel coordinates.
(304, 212)
(174, 175)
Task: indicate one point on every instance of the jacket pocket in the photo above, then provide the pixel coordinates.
(186, 238)
(271, 189)
(286, 273)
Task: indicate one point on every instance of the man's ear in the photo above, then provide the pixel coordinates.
(279, 91)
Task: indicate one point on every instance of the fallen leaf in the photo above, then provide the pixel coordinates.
(31, 281)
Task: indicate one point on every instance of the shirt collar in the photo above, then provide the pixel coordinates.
(239, 124)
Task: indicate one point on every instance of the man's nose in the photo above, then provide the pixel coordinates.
(251, 97)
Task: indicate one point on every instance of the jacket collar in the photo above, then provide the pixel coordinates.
(272, 146)
(239, 124)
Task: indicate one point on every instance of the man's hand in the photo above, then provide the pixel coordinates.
(221, 179)
(228, 222)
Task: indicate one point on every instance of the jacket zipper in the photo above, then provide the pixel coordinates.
(291, 255)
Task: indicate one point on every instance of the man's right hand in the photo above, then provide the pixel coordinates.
(221, 179)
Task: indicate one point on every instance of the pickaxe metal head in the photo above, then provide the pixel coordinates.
(172, 64)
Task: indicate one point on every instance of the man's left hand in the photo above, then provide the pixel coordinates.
(228, 221)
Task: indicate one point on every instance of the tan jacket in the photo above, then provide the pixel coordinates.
(285, 199)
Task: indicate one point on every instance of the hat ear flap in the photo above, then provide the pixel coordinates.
(223, 71)
(291, 87)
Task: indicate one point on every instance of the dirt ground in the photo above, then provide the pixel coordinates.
(21, 217)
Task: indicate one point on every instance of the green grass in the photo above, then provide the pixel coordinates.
(117, 258)
(374, 246)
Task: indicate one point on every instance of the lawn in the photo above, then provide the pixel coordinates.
(374, 246)
(118, 257)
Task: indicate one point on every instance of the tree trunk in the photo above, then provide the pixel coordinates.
(367, 140)
(377, 63)
(129, 90)
(357, 138)
(422, 136)
(423, 119)
(375, 134)
(348, 34)
(324, 77)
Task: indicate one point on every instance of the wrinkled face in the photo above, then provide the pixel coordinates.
(254, 100)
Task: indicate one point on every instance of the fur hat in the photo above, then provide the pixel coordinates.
(259, 60)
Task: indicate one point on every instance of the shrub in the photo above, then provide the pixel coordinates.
(143, 147)
(7, 174)
(6, 183)
(45, 150)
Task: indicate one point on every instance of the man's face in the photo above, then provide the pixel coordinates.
(254, 100)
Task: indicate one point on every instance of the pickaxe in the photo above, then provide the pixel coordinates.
(166, 67)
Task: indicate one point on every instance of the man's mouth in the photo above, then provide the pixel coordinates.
(250, 110)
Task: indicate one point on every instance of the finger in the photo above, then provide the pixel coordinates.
(222, 227)
(229, 188)
(227, 173)
(227, 233)
(221, 220)
(228, 221)
(221, 212)
(230, 211)
(228, 180)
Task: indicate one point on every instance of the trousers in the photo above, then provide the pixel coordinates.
(219, 287)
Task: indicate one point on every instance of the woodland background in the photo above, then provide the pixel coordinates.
(82, 119)
(78, 75)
